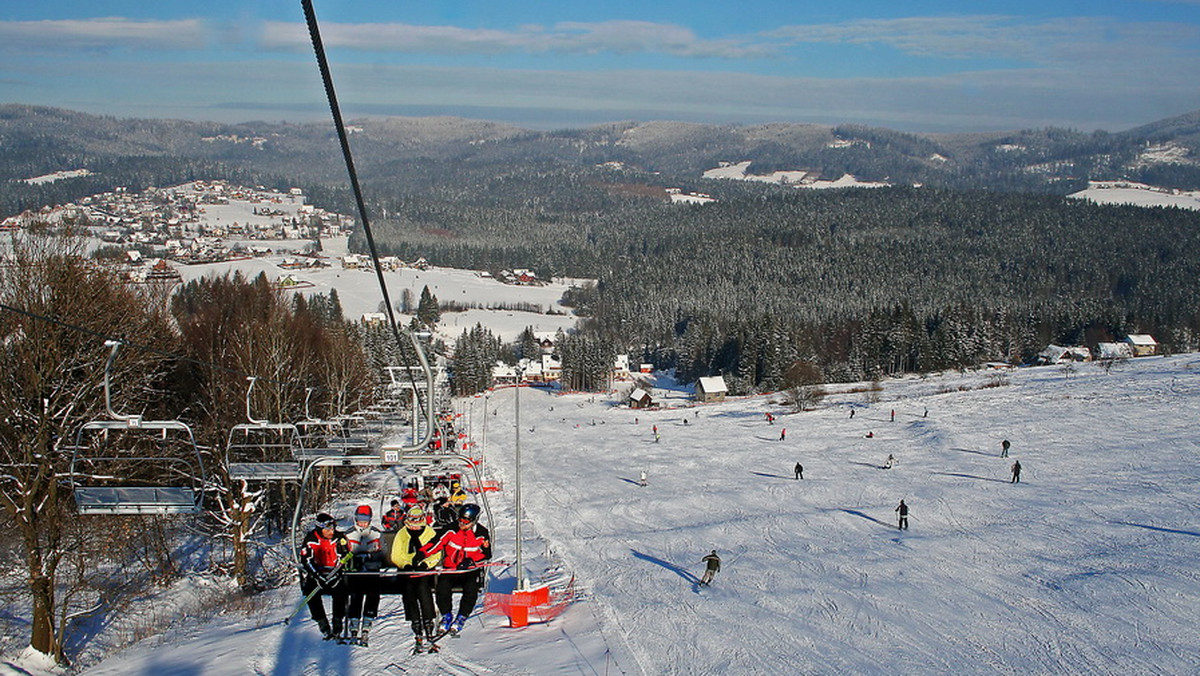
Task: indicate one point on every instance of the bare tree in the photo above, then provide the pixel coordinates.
(57, 307)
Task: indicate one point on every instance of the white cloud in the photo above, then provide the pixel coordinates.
(617, 37)
(102, 33)
(1074, 41)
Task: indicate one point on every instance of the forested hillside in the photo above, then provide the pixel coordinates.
(986, 260)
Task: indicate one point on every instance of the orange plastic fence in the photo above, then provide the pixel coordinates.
(540, 604)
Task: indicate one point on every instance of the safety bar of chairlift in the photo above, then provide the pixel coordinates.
(131, 420)
(249, 390)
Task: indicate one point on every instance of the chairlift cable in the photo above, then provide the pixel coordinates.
(344, 140)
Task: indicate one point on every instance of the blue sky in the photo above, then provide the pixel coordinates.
(918, 66)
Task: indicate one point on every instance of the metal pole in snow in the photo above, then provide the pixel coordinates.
(520, 568)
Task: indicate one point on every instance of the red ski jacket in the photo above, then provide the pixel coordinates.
(460, 545)
(322, 555)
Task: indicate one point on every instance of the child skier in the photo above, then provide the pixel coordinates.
(365, 544)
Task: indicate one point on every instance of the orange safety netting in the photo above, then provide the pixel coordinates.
(537, 605)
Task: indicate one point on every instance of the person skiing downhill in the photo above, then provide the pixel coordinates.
(902, 511)
(1016, 472)
(320, 556)
(461, 550)
(799, 471)
(1004, 446)
(364, 542)
(642, 479)
(418, 590)
(711, 568)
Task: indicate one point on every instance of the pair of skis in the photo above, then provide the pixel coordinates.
(430, 645)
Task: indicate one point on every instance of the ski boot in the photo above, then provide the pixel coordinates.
(364, 631)
(353, 633)
(431, 637)
(447, 623)
(326, 632)
(338, 631)
(458, 625)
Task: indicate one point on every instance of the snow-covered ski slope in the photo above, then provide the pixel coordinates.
(1088, 566)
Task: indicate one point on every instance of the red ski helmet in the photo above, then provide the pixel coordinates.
(363, 513)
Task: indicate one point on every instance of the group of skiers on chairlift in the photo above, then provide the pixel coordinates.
(438, 544)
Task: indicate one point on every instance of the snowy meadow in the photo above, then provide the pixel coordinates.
(1086, 566)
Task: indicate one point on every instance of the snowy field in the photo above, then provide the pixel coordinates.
(1087, 566)
(358, 290)
(1137, 194)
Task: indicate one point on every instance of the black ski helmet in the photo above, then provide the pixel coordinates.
(469, 513)
(326, 521)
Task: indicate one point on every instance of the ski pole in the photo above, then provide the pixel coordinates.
(304, 601)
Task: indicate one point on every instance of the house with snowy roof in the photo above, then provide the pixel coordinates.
(640, 398)
(1143, 345)
(711, 388)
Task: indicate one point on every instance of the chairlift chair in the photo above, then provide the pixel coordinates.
(259, 450)
(121, 477)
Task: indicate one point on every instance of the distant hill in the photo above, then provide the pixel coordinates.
(403, 154)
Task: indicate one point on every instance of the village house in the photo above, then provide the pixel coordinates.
(1114, 351)
(1057, 354)
(710, 389)
(1142, 345)
(621, 367)
(640, 398)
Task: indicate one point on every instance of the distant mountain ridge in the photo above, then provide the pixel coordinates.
(415, 152)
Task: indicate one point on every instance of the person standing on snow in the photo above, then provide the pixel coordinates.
(364, 542)
(642, 479)
(902, 511)
(1016, 472)
(461, 551)
(1004, 446)
(783, 434)
(418, 589)
(320, 553)
(799, 470)
(712, 566)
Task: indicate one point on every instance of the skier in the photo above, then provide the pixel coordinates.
(852, 414)
(393, 517)
(783, 434)
(410, 496)
(711, 568)
(902, 510)
(1016, 472)
(457, 495)
(320, 554)
(799, 470)
(461, 550)
(1004, 445)
(642, 479)
(417, 590)
(893, 415)
(364, 542)
(890, 462)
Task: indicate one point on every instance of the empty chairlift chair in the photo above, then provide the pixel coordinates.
(126, 465)
(259, 450)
